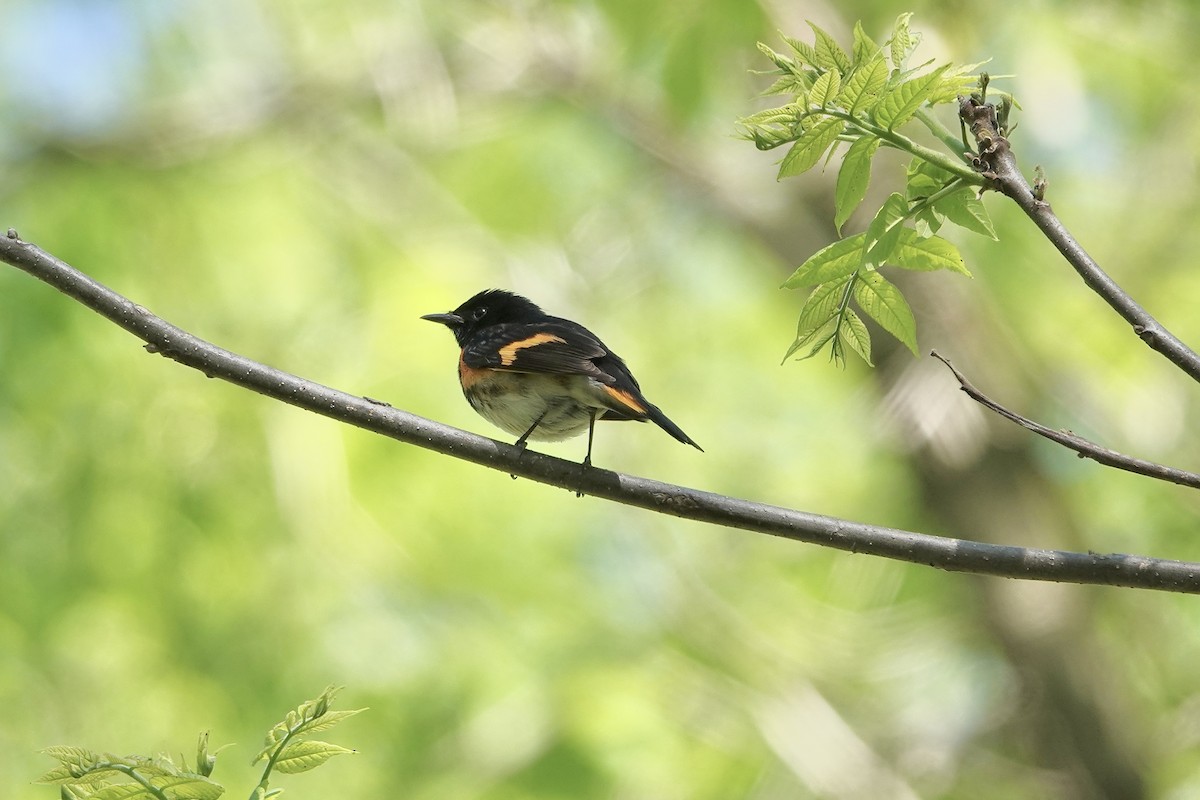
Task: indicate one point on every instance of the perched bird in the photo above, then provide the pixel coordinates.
(542, 377)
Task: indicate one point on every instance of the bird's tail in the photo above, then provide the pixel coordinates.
(661, 420)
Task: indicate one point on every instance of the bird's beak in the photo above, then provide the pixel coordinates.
(449, 320)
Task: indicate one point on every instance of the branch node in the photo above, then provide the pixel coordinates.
(1148, 333)
(12, 234)
(1039, 185)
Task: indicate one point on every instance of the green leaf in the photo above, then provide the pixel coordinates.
(182, 787)
(828, 53)
(193, 787)
(965, 209)
(864, 85)
(925, 254)
(274, 736)
(73, 756)
(900, 102)
(783, 115)
(926, 221)
(821, 306)
(303, 719)
(805, 53)
(123, 791)
(884, 231)
(59, 775)
(327, 720)
(962, 207)
(160, 767)
(206, 761)
(853, 178)
(303, 756)
(864, 48)
(815, 340)
(925, 179)
(854, 333)
(766, 138)
(64, 776)
(902, 42)
(781, 61)
(882, 302)
(787, 84)
(837, 260)
(961, 80)
(809, 148)
(81, 766)
(825, 89)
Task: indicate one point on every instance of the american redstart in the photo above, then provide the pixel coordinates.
(542, 377)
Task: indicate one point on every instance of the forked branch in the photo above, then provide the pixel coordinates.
(997, 163)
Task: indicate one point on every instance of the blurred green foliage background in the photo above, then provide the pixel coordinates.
(299, 181)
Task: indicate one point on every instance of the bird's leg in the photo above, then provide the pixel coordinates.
(520, 443)
(587, 460)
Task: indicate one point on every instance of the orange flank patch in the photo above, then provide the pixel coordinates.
(625, 399)
(508, 353)
(469, 376)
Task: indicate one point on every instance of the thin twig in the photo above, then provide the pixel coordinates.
(958, 555)
(1084, 447)
(998, 164)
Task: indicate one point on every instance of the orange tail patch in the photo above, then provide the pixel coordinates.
(626, 399)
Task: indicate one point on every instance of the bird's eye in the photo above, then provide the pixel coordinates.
(479, 314)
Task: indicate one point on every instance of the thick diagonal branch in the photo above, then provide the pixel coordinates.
(998, 164)
(959, 555)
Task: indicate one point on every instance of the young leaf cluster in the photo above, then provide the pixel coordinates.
(87, 775)
(82, 773)
(860, 98)
(288, 749)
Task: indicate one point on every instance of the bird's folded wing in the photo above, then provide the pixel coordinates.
(554, 349)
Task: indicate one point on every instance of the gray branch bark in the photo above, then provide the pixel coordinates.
(957, 555)
(996, 162)
(1084, 447)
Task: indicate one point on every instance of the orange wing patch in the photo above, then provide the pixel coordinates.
(508, 353)
(626, 399)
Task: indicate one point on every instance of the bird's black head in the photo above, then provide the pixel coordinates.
(490, 307)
